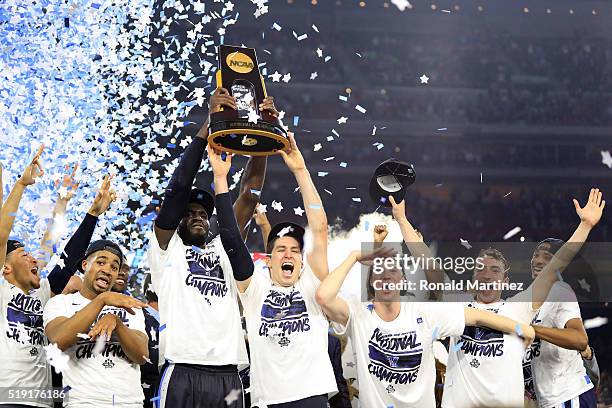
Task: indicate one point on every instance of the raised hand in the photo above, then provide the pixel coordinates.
(268, 106)
(104, 326)
(399, 209)
(221, 98)
(591, 212)
(123, 301)
(104, 198)
(260, 217)
(69, 184)
(33, 170)
(380, 233)
(220, 167)
(292, 156)
(368, 257)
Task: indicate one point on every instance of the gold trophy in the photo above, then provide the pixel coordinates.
(245, 131)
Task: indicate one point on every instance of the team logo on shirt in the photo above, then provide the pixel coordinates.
(395, 357)
(283, 314)
(25, 321)
(205, 273)
(85, 347)
(482, 342)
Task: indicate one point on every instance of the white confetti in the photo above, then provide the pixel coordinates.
(512, 232)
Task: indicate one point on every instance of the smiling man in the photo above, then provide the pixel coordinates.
(287, 329)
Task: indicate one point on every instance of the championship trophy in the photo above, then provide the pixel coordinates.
(231, 130)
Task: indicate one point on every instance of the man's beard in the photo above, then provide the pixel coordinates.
(190, 238)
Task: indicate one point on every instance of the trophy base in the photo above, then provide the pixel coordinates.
(239, 136)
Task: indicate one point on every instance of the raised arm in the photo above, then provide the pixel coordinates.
(63, 331)
(252, 180)
(237, 252)
(414, 241)
(327, 297)
(484, 318)
(79, 241)
(315, 213)
(589, 215)
(261, 219)
(10, 207)
(51, 238)
(179, 187)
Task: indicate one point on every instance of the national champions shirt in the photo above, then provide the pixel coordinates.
(22, 339)
(107, 379)
(557, 374)
(484, 365)
(288, 340)
(198, 303)
(395, 360)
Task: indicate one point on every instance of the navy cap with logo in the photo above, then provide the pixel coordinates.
(391, 178)
(12, 244)
(102, 245)
(204, 198)
(288, 229)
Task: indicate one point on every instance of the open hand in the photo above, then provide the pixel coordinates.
(591, 212)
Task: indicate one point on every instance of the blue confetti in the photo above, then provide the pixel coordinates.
(296, 120)
(434, 334)
(457, 347)
(162, 327)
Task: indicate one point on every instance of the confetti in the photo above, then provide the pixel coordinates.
(296, 120)
(356, 199)
(315, 206)
(342, 98)
(342, 120)
(424, 79)
(343, 164)
(277, 205)
(317, 147)
(360, 109)
(277, 27)
(465, 243)
(512, 232)
(595, 322)
(298, 211)
(457, 347)
(314, 27)
(606, 158)
(322, 173)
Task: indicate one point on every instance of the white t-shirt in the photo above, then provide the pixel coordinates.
(288, 340)
(486, 369)
(198, 303)
(558, 374)
(395, 360)
(22, 339)
(107, 379)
